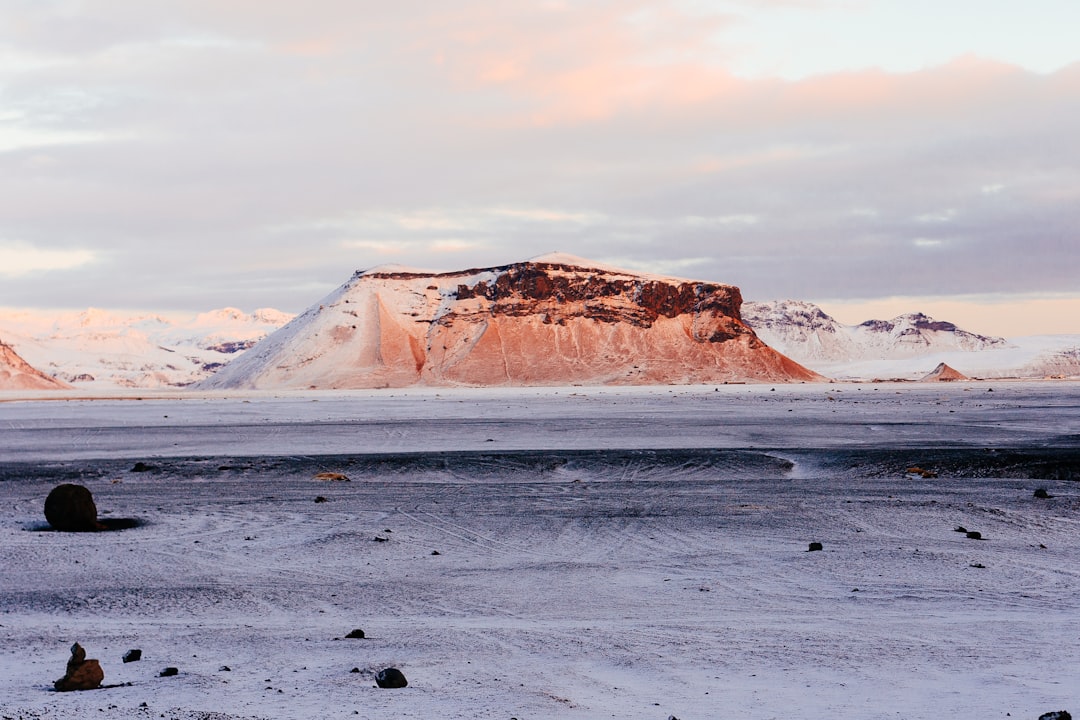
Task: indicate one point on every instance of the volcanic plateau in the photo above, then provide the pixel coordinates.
(553, 320)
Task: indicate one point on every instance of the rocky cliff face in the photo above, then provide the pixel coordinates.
(551, 321)
(17, 374)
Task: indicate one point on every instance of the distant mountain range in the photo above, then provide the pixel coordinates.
(556, 319)
(905, 347)
(100, 349)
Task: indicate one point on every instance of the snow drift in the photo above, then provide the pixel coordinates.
(554, 320)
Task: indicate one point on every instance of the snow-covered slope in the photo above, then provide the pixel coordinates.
(100, 349)
(553, 320)
(906, 347)
(17, 374)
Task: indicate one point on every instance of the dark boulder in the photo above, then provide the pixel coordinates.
(134, 655)
(1056, 715)
(71, 508)
(169, 672)
(1042, 494)
(815, 546)
(82, 674)
(356, 634)
(390, 678)
(974, 535)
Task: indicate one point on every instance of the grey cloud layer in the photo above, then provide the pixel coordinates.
(257, 153)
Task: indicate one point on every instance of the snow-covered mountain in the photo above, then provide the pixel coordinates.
(553, 320)
(17, 374)
(906, 347)
(100, 349)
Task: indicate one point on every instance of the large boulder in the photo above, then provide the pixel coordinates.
(71, 508)
(82, 674)
(391, 678)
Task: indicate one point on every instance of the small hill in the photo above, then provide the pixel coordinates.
(944, 373)
(17, 374)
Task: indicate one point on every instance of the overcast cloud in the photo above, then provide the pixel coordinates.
(200, 153)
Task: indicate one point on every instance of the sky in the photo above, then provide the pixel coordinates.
(874, 156)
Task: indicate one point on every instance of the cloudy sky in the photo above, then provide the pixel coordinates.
(872, 155)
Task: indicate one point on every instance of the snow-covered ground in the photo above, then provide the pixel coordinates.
(602, 552)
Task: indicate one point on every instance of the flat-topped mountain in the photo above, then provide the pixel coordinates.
(554, 320)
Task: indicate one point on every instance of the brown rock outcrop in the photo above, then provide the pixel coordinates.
(82, 674)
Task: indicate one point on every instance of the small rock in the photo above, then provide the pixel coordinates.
(133, 655)
(320, 499)
(815, 546)
(224, 668)
(380, 539)
(143, 467)
(356, 634)
(436, 552)
(332, 476)
(390, 678)
(169, 672)
(82, 674)
(71, 508)
(1056, 715)
(974, 535)
(960, 529)
(355, 670)
(1042, 494)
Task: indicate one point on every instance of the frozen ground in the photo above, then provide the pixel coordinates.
(626, 553)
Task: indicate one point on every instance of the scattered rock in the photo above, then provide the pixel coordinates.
(974, 535)
(82, 674)
(960, 529)
(980, 566)
(143, 467)
(356, 634)
(390, 678)
(916, 470)
(1042, 494)
(224, 668)
(355, 670)
(377, 538)
(436, 552)
(332, 476)
(1056, 715)
(71, 508)
(133, 655)
(320, 499)
(169, 672)
(815, 546)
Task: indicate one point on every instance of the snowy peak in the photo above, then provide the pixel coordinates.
(805, 332)
(549, 321)
(916, 331)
